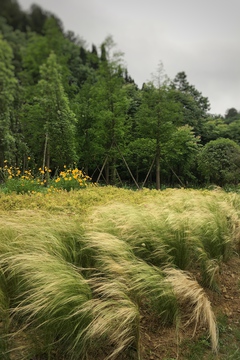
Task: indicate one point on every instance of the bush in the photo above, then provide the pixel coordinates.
(219, 162)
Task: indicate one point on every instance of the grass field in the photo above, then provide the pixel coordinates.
(89, 274)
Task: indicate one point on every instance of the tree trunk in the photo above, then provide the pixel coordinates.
(113, 172)
(158, 183)
(107, 173)
(137, 175)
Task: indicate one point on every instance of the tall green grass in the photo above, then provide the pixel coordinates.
(74, 283)
(161, 234)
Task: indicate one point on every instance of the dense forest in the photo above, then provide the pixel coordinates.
(62, 103)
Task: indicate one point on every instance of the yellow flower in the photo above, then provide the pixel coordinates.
(29, 158)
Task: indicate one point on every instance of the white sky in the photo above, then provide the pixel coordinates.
(201, 38)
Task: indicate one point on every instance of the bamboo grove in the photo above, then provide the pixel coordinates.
(63, 104)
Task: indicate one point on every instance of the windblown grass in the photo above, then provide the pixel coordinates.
(193, 297)
(115, 317)
(48, 300)
(181, 230)
(77, 270)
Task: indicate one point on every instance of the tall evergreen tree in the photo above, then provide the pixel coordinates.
(195, 105)
(231, 115)
(60, 121)
(8, 85)
(51, 119)
(12, 12)
(93, 58)
(110, 103)
(157, 116)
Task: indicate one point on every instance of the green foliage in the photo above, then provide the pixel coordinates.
(53, 143)
(194, 104)
(102, 106)
(96, 115)
(180, 153)
(231, 115)
(7, 92)
(213, 128)
(160, 111)
(219, 162)
(140, 154)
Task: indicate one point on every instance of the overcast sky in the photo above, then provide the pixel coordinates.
(201, 38)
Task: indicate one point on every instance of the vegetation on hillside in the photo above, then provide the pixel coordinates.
(62, 103)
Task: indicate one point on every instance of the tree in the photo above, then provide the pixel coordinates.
(93, 58)
(180, 154)
(109, 105)
(219, 162)
(213, 128)
(49, 122)
(37, 17)
(233, 130)
(88, 148)
(195, 106)
(11, 11)
(231, 115)
(38, 49)
(8, 85)
(140, 153)
(156, 116)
